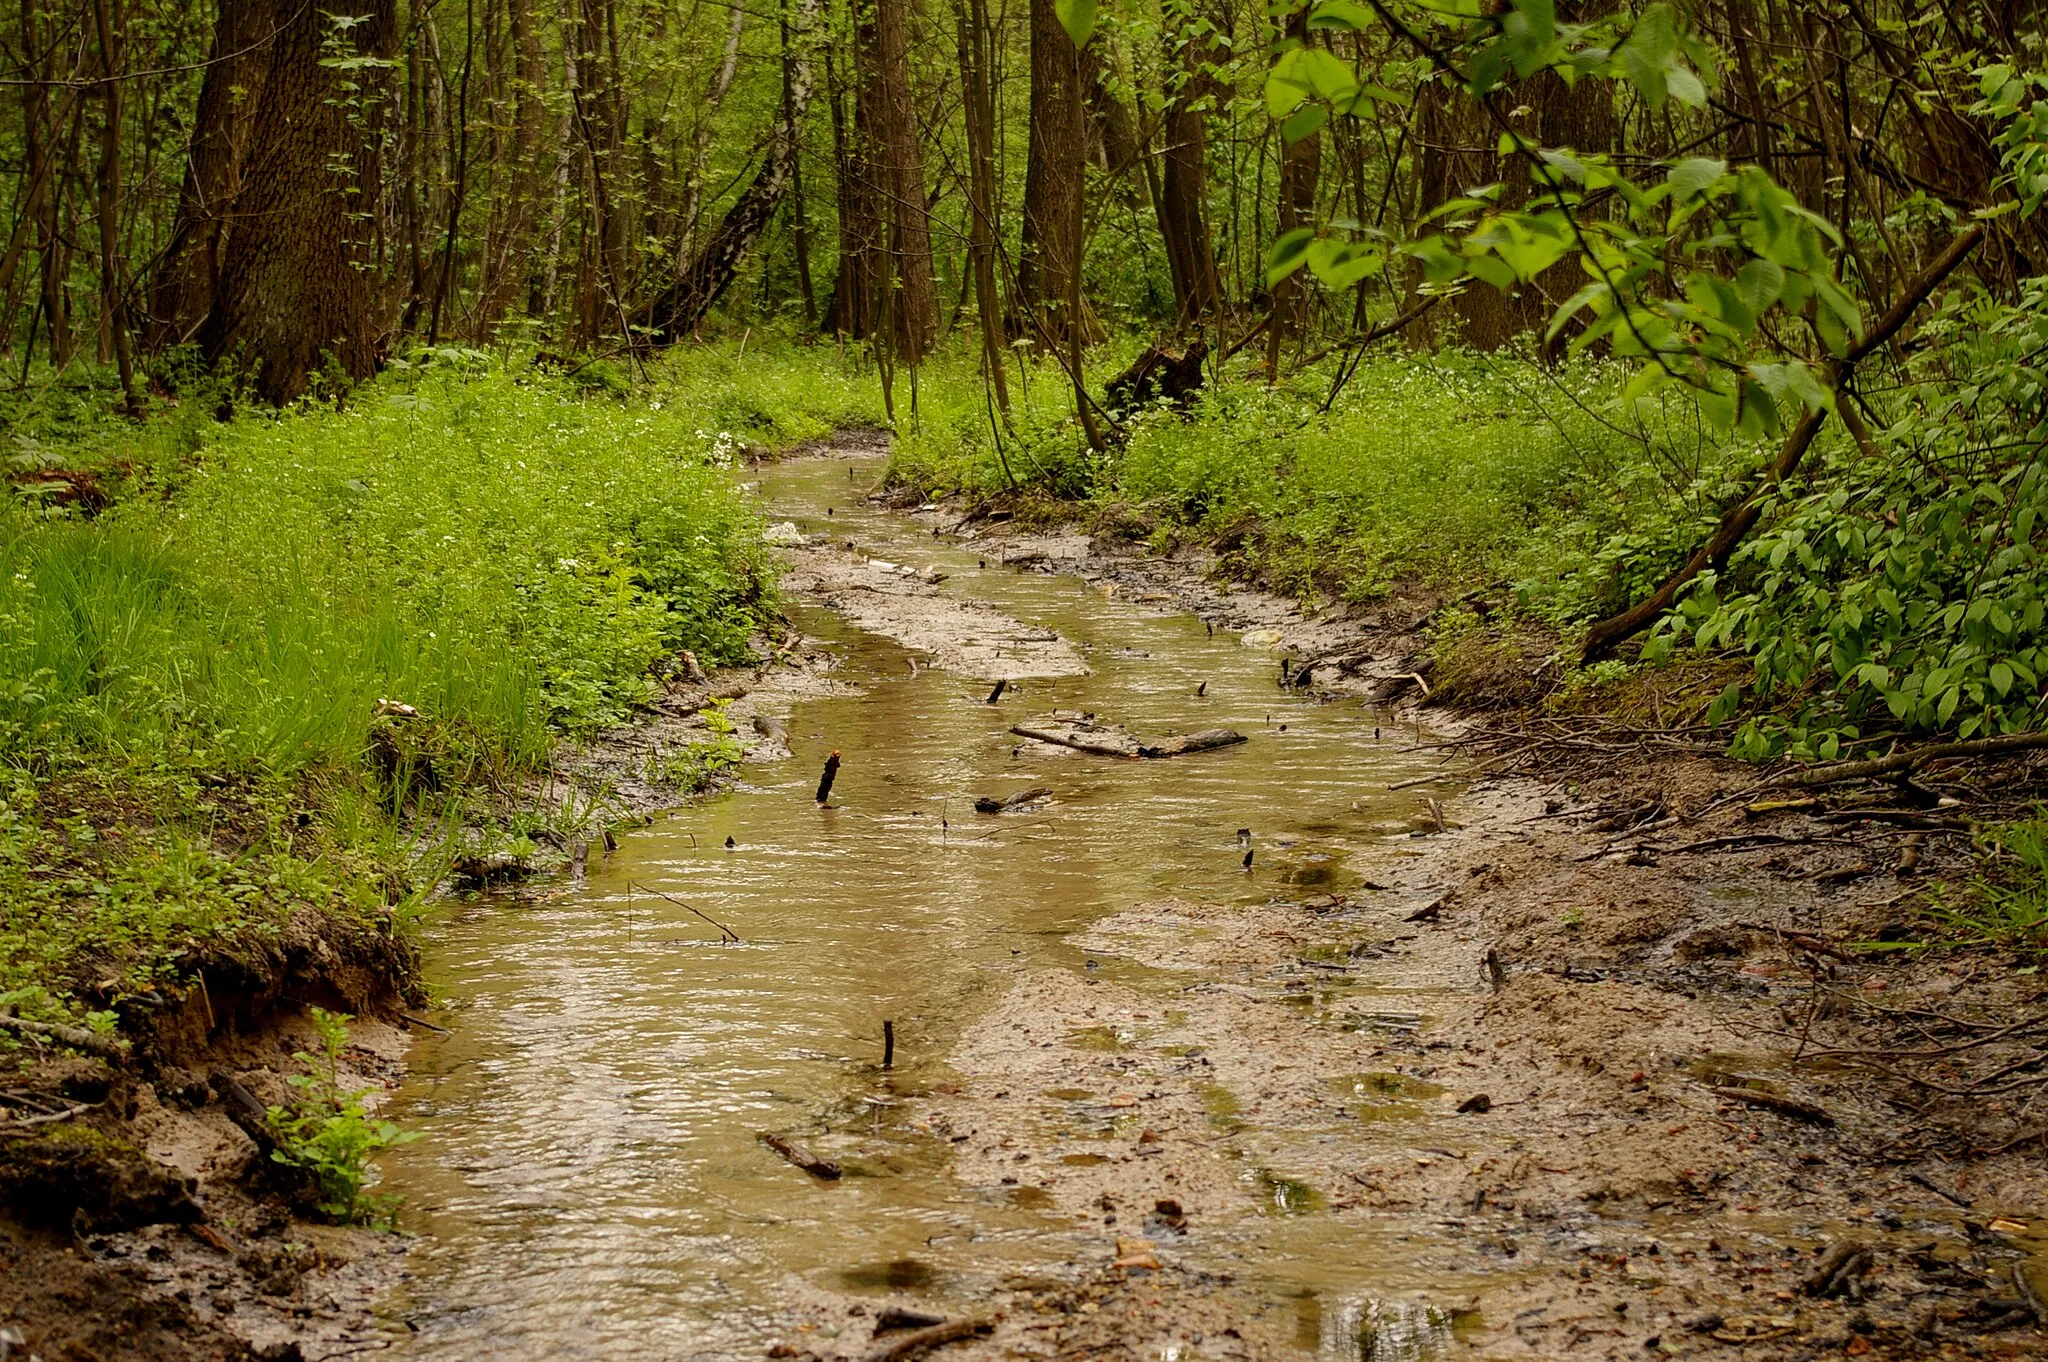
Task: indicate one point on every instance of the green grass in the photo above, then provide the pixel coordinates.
(200, 686)
(1452, 469)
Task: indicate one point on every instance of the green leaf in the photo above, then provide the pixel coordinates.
(1758, 283)
(1306, 122)
(1341, 264)
(1340, 14)
(1288, 254)
(1685, 87)
(1646, 55)
(1283, 95)
(1077, 17)
(1327, 74)
(1694, 174)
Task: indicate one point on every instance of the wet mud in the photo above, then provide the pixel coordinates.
(1310, 1048)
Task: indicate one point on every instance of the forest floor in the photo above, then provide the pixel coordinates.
(1667, 1108)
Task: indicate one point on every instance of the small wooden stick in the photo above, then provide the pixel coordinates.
(831, 774)
(924, 1340)
(888, 1045)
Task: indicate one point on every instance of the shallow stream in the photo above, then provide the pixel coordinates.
(588, 1182)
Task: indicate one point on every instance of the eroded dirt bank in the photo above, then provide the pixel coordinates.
(1595, 1051)
(140, 1215)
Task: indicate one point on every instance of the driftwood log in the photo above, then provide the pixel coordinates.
(1083, 734)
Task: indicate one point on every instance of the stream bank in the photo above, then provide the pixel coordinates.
(1589, 1066)
(1454, 1069)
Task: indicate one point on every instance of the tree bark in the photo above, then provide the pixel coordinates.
(1182, 204)
(517, 183)
(700, 136)
(799, 210)
(113, 288)
(229, 94)
(916, 300)
(290, 297)
(1300, 171)
(855, 291)
(1053, 181)
(983, 229)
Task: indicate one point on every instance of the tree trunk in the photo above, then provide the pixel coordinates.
(600, 116)
(854, 291)
(113, 288)
(916, 299)
(226, 115)
(700, 136)
(1052, 180)
(290, 297)
(799, 211)
(1456, 150)
(983, 232)
(677, 310)
(1183, 201)
(1301, 166)
(517, 184)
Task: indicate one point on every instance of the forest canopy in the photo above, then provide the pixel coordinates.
(1806, 234)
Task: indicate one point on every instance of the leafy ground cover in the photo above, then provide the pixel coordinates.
(270, 663)
(1889, 590)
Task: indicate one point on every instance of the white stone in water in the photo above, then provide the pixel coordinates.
(1260, 638)
(785, 533)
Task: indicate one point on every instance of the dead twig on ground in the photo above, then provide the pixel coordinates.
(924, 1340)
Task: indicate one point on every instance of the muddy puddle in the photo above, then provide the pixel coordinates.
(588, 1181)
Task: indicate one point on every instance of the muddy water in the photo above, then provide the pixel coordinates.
(588, 1181)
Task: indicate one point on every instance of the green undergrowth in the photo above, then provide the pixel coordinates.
(1892, 589)
(1450, 469)
(281, 662)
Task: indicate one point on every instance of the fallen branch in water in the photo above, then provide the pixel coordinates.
(1205, 741)
(800, 1155)
(727, 934)
(990, 804)
(1099, 747)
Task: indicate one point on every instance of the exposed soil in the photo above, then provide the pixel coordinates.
(141, 1221)
(1657, 1105)
(1653, 1101)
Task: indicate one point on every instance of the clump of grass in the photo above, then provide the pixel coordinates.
(329, 1136)
(2006, 903)
(297, 647)
(1445, 468)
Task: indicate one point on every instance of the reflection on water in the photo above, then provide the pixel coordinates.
(589, 1183)
(1371, 1329)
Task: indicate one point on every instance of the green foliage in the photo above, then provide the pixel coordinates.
(204, 689)
(2006, 905)
(1451, 468)
(328, 1134)
(697, 766)
(1699, 274)
(1901, 590)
